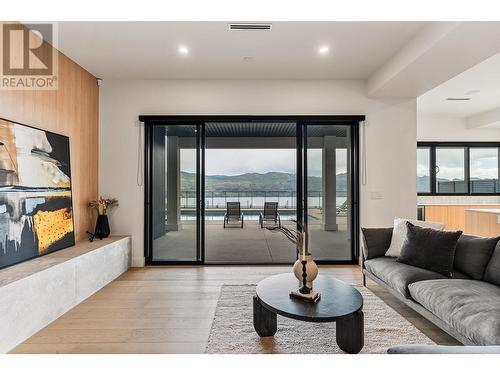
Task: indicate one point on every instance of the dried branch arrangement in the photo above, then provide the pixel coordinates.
(102, 205)
(295, 236)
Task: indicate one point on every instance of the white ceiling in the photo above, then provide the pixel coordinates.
(483, 77)
(149, 50)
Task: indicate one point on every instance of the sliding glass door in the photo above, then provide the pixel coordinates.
(276, 169)
(175, 220)
(328, 182)
(250, 164)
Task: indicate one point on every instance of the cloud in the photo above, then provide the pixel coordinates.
(232, 162)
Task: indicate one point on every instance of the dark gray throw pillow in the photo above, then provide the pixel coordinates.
(492, 273)
(473, 254)
(376, 242)
(430, 249)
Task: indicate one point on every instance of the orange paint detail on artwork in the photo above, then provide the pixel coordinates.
(51, 226)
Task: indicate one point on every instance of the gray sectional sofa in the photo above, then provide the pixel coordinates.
(466, 306)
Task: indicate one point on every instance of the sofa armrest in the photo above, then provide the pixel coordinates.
(442, 349)
(375, 242)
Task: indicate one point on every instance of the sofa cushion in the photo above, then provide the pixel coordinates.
(473, 254)
(399, 233)
(376, 241)
(471, 307)
(431, 249)
(492, 273)
(398, 275)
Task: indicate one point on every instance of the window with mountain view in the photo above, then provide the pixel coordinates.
(450, 170)
(484, 170)
(424, 170)
(458, 168)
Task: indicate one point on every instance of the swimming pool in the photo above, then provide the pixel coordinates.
(248, 215)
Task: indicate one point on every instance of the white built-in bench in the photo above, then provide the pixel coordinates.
(38, 291)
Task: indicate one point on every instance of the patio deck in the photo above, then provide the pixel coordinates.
(251, 244)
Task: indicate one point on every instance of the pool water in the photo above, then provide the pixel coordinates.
(247, 215)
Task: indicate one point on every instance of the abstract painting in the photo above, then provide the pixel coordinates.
(36, 213)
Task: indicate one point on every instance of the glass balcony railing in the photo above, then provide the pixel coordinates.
(485, 186)
(256, 199)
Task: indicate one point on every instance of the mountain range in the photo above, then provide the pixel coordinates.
(270, 181)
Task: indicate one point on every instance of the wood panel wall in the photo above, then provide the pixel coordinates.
(71, 110)
(452, 215)
(482, 224)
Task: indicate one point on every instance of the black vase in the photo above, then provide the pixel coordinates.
(102, 226)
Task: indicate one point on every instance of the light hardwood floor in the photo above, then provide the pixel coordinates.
(170, 310)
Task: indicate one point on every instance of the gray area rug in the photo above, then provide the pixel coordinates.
(232, 329)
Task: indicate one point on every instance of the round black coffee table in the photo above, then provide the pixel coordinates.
(340, 303)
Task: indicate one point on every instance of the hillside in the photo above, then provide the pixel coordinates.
(271, 181)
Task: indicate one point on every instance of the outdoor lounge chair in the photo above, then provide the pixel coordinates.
(342, 209)
(270, 214)
(233, 213)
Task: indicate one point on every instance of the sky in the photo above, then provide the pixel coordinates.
(232, 162)
(483, 163)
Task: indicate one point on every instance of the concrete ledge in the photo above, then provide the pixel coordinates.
(36, 292)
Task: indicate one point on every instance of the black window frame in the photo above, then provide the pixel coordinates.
(467, 146)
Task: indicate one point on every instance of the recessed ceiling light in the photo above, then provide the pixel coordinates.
(323, 50)
(183, 50)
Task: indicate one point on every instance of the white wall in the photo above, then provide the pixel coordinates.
(390, 130)
(442, 128)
